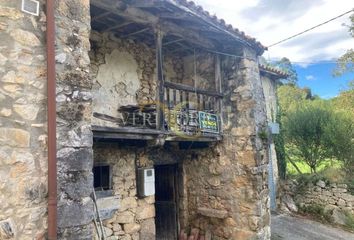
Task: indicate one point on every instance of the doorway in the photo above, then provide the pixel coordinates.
(166, 198)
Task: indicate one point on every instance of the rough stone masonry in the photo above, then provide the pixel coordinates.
(225, 191)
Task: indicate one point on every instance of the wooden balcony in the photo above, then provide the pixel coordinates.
(189, 114)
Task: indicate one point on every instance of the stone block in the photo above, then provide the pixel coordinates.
(131, 228)
(25, 38)
(128, 203)
(11, 13)
(341, 203)
(76, 185)
(214, 213)
(147, 230)
(71, 214)
(7, 229)
(78, 232)
(72, 159)
(145, 212)
(14, 137)
(27, 112)
(125, 217)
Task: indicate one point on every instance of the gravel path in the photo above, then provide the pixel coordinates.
(286, 227)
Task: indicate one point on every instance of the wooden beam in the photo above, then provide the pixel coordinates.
(117, 26)
(160, 82)
(137, 32)
(173, 41)
(100, 16)
(187, 88)
(145, 18)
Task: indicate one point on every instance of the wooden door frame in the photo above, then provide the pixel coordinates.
(176, 191)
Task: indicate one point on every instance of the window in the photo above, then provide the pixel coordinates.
(102, 177)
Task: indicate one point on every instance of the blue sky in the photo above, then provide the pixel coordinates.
(319, 78)
(273, 20)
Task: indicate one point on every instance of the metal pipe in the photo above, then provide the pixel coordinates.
(51, 105)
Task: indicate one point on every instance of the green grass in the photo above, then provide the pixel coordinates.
(304, 168)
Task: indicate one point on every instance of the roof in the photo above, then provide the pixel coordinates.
(221, 23)
(273, 71)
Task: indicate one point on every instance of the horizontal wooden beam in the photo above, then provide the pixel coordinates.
(105, 14)
(187, 88)
(145, 18)
(136, 32)
(117, 26)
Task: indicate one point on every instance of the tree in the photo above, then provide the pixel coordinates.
(340, 139)
(285, 65)
(291, 96)
(305, 130)
(346, 62)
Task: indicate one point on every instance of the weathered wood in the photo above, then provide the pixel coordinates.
(160, 80)
(117, 26)
(187, 88)
(97, 17)
(218, 82)
(108, 118)
(137, 32)
(132, 130)
(173, 41)
(145, 18)
(174, 97)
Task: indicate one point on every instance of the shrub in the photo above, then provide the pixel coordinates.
(317, 211)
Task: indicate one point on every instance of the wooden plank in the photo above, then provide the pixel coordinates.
(100, 16)
(174, 98)
(187, 88)
(168, 107)
(218, 82)
(96, 128)
(160, 81)
(137, 32)
(117, 26)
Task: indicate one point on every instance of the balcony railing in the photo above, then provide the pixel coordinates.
(191, 111)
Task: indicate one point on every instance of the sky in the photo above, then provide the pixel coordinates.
(313, 53)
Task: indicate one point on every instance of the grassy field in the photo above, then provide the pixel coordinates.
(327, 165)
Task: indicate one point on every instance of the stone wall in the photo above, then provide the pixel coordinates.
(226, 186)
(23, 128)
(135, 216)
(334, 198)
(74, 111)
(123, 73)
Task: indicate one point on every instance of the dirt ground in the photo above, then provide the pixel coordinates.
(286, 227)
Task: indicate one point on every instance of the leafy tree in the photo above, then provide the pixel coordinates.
(285, 65)
(340, 138)
(346, 62)
(280, 147)
(345, 100)
(291, 96)
(305, 130)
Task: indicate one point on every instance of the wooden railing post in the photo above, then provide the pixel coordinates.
(160, 81)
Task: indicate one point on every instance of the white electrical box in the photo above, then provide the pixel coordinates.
(274, 128)
(146, 182)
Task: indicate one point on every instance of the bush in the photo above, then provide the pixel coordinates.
(305, 130)
(349, 221)
(317, 211)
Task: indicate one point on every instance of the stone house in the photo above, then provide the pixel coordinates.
(270, 77)
(151, 113)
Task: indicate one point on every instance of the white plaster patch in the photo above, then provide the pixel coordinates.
(116, 84)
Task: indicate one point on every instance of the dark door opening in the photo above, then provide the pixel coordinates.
(166, 202)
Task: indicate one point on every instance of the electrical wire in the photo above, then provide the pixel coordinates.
(309, 29)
